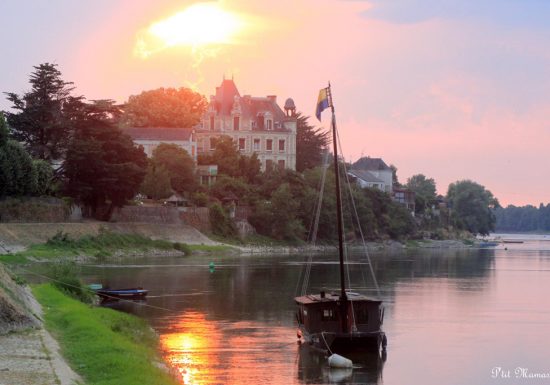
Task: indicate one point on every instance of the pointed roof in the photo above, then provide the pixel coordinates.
(250, 106)
(371, 164)
(225, 96)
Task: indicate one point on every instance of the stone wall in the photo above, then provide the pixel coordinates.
(147, 214)
(33, 210)
(198, 217)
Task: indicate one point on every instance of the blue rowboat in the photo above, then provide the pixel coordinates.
(114, 294)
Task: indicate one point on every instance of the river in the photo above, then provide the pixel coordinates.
(451, 316)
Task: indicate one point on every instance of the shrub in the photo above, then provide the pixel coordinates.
(220, 222)
(183, 247)
(65, 277)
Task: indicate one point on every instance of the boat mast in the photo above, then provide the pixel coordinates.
(343, 295)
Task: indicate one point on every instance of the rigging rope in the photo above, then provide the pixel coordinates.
(359, 223)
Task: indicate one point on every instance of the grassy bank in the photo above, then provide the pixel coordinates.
(103, 246)
(104, 346)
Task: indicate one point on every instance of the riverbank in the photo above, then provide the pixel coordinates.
(29, 355)
(105, 346)
(101, 241)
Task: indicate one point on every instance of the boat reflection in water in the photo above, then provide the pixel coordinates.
(313, 368)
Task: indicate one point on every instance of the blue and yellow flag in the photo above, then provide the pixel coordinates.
(322, 102)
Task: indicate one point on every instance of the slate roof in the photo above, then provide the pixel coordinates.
(368, 163)
(365, 176)
(159, 133)
(250, 106)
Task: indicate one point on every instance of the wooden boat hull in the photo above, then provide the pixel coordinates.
(346, 342)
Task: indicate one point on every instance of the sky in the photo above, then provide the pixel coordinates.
(452, 89)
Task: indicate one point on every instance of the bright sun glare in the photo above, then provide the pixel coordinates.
(201, 24)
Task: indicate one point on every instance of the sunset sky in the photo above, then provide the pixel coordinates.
(453, 89)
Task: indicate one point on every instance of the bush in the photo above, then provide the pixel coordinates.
(183, 247)
(65, 277)
(220, 222)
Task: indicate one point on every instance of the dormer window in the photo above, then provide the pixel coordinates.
(236, 122)
(269, 124)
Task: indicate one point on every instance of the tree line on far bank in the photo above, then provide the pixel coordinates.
(523, 219)
(75, 148)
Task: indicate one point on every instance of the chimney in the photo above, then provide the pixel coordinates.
(272, 98)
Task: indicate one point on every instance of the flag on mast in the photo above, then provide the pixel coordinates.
(322, 102)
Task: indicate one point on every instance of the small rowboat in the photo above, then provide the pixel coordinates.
(114, 294)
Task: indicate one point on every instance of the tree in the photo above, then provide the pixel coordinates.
(425, 191)
(226, 155)
(103, 167)
(311, 143)
(179, 165)
(156, 183)
(165, 107)
(230, 161)
(395, 180)
(472, 207)
(17, 174)
(42, 121)
(44, 175)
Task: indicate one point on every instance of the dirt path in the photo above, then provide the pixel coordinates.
(32, 357)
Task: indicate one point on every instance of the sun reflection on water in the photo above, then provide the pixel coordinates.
(200, 351)
(186, 346)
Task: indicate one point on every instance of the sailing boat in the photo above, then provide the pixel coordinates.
(345, 321)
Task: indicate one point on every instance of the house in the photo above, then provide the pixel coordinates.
(366, 179)
(405, 197)
(207, 174)
(256, 124)
(151, 137)
(373, 172)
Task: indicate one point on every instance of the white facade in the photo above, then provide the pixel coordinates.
(256, 125)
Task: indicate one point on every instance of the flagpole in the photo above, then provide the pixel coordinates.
(343, 295)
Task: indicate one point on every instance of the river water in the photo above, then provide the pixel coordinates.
(451, 316)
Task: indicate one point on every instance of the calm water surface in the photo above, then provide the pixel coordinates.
(452, 316)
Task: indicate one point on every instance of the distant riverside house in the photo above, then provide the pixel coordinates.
(406, 197)
(207, 174)
(151, 137)
(366, 179)
(256, 124)
(373, 172)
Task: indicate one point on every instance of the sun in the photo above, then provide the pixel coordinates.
(201, 24)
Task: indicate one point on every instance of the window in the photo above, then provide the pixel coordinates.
(269, 145)
(269, 124)
(212, 144)
(268, 165)
(212, 122)
(236, 121)
(281, 164)
(281, 145)
(256, 145)
(242, 144)
(328, 315)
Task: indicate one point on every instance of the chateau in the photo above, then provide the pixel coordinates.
(256, 124)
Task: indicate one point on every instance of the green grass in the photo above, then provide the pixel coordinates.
(104, 346)
(100, 246)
